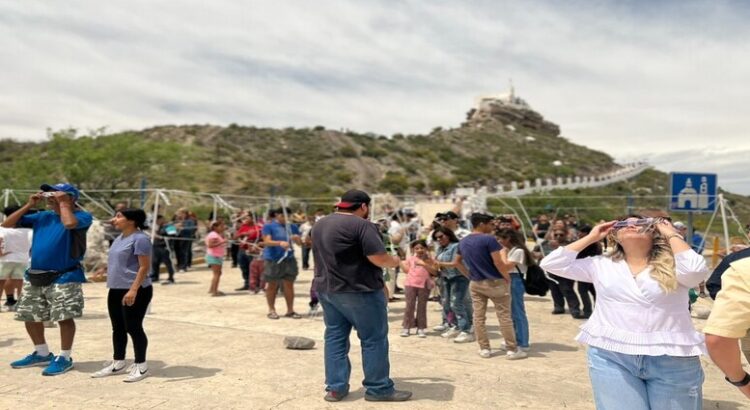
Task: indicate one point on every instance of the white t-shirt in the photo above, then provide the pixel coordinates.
(461, 233)
(16, 242)
(395, 230)
(516, 255)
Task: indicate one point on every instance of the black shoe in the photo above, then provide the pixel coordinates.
(243, 288)
(586, 315)
(397, 395)
(558, 311)
(577, 315)
(335, 396)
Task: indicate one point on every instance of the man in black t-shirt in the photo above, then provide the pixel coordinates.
(349, 260)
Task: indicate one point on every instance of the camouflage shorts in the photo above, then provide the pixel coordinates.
(55, 302)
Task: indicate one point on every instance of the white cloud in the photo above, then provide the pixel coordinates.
(625, 77)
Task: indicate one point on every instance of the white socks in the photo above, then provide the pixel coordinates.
(118, 364)
(41, 350)
(65, 354)
(143, 367)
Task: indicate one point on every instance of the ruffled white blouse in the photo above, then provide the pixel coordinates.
(633, 315)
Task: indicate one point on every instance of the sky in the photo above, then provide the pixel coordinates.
(663, 81)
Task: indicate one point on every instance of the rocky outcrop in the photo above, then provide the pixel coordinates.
(515, 116)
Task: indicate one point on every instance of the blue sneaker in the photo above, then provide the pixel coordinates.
(32, 360)
(59, 365)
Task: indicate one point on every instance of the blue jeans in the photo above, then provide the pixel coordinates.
(635, 382)
(518, 310)
(454, 299)
(366, 312)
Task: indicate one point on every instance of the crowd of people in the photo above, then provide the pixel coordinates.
(631, 279)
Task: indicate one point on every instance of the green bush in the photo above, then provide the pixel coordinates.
(394, 183)
(348, 152)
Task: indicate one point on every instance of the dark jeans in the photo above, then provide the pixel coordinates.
(453, 294)
(563, 292)
(243, 261)
(129, 320)
(306, 257)
(365, 311)
(184, 251)
(234, 251)
(161, 255)
(584, 288)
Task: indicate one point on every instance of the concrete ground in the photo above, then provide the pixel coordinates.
(224, 353)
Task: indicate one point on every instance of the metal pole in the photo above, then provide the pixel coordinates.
(689, 235)
(157, 195)
(724, 222)
(6, 199)
(216, 206)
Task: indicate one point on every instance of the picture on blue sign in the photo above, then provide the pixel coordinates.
(693, 192)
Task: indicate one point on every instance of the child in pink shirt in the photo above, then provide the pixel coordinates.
(215, 251)
(417, 288)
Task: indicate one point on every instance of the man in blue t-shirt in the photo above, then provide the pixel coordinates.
(280, 265)
(480, 253)
(52, 286)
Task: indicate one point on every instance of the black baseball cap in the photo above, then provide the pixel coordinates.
(451, 215)
(352, 198)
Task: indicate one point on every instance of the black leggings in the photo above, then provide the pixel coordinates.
(129, 320)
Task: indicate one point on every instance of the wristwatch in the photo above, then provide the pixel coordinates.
(742, 383)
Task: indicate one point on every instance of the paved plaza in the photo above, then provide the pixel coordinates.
(223, 352)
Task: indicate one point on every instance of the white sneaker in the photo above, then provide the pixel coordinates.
(503, 346)
(109, 370)
(464, 337)
(404, 332)
(485, 353)
(518, 354)
(421, 333)
(137, 371)
(440, 328)
(525, 349)
(452, 332)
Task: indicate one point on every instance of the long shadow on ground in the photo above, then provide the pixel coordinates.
(424, 388)
(158, 369)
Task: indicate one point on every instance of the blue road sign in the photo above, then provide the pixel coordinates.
(692, 192)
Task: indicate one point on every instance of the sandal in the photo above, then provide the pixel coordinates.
(293, 315)
(272, 315)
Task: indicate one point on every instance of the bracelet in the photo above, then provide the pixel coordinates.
(675, 235)
(742, 383)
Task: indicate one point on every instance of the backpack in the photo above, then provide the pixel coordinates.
(535, 281)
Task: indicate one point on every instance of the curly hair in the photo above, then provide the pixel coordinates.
(661, 259)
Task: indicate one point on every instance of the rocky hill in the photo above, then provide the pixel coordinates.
(493, 146)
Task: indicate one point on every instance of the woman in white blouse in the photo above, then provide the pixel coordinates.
(643, 349)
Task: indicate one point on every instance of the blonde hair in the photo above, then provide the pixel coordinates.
(661, 260)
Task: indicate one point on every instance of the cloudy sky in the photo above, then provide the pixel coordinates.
(665, 81)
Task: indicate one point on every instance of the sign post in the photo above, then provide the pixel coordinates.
(692, 192)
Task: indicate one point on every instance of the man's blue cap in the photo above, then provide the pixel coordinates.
(62, 187)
